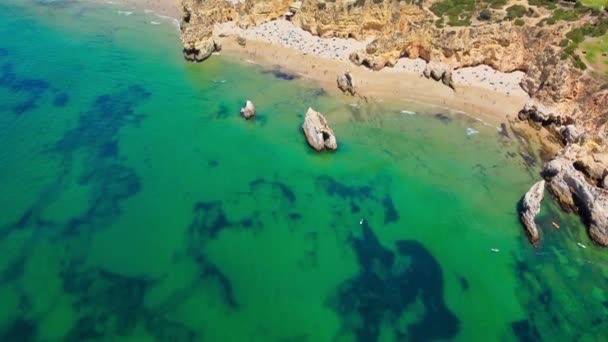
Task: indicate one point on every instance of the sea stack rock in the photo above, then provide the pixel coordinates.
(573, 189)
(530, 207)
(346, 83)
(318, 134)
(248, 111)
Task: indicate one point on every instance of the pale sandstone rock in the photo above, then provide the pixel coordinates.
(317, 131)
(530, 207)
(573, 189)
(248, 111)
(346, 83)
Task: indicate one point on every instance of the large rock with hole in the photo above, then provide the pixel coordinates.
(248, 111)
(200, 50)
(573, 189)
(317, 131)
(530, 207)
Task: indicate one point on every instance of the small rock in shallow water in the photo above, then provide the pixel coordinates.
(248, 111)
(471, 131)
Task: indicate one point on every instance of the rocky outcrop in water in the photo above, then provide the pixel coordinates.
(530, 207)
(346, 83)
(248, 111)
(576, 184)
(317, 131)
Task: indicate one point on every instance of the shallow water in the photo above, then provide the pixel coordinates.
(137, 205)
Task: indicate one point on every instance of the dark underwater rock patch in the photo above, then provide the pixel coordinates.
(109, 179)
(282, 74)
(32, 88)
(212, 271)
(109, 150)
(112, 295)
(20, 330)
(357, 195)
(209, 219)
(334, 188)
(110, 304)
(14, 271)
(388, 283)
(524, 331)
(101, 123)
(61, 100)
(223, 111)
(390, 212)
(445, 118)
(464, 283)
(315, 93)
(281, 188)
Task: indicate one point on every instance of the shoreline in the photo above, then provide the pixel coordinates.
(403, 83)
(169, 9)
(481, 92)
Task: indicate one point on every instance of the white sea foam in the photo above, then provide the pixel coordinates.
(408, 112)
(154, 23)
(125, 13)
(471, 131)
(174, 21)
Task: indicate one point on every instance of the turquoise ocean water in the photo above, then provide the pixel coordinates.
(137, 206)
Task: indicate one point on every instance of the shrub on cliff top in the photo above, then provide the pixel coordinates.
(452, 7)
(566, 15)
(516, 11)
(498, 4)
(550, 4)
(485, 14)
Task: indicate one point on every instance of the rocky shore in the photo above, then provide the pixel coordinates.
(563, 101)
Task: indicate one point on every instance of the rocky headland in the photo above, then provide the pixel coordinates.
(567, 101)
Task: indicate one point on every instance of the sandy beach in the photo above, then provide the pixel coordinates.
(480, 91)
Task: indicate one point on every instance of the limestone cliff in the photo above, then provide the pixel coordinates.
(399, 29)
(199, 17)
